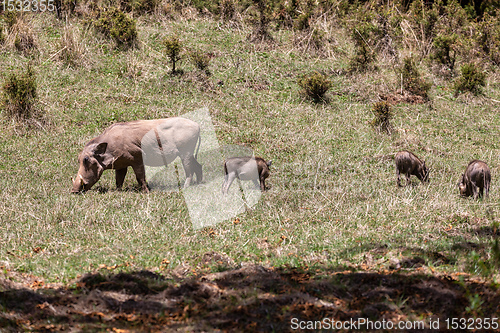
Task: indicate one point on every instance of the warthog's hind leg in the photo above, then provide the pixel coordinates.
(228, 180)
(140, 175)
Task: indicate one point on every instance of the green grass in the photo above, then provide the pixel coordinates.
(333, 191)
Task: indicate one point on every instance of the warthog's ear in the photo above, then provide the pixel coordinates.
(100, 148)
(269, 163)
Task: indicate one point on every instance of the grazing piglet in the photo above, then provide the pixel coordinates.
(409, 164)
(245, 168)
(476, 176)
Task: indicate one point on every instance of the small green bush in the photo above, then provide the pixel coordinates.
(471, 79)
(383, 115)
(412, 82)
(364, 54)
(19, 95)
(115, 24)
(200, 59)
(444, 52)
(315, 86)
(173, 49)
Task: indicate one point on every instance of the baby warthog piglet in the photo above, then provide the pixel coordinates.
(477, 177)
(409, 164)
(251, 168)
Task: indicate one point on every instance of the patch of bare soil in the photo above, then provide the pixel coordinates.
(251, 298)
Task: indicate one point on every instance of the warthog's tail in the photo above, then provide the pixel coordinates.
(197, 149)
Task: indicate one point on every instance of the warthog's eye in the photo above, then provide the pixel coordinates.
(86, 160)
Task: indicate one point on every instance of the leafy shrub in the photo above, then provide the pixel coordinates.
(383, 115)
(315, 86)
(200, 59)
(412, 82)
(444, 52)
(364, 55)
(19, 95)
(471, 79)
(115, 24)
(173, 49)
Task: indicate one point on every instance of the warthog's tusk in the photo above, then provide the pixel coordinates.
(81, 179)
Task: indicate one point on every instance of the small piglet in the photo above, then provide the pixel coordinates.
(245, 168)
(477, 176)
(409, 164)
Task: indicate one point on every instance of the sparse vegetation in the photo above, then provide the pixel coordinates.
(315, 86)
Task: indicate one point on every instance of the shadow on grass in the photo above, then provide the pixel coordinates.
(247, 299)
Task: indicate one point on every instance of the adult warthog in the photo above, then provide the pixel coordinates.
(409, 164)
(251, 168)
(136, 144)
(477, 177)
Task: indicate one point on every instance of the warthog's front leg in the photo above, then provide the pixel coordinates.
(475, 193)
(398, 177)
(262, 184)
(120, 177)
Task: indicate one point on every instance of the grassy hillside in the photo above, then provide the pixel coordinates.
(332, 200)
